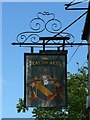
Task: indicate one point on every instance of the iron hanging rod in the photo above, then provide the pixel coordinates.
(72, 4)
(53, 44)
(76, 8)
(54, 38)
(71, 23)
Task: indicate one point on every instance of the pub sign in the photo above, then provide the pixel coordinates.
(45, 79)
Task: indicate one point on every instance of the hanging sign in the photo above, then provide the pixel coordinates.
(45, 79)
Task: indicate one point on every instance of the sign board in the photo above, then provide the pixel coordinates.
(45, 79)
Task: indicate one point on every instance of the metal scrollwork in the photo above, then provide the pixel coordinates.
(53, 26)
(25, 36)
(46, 15)
(43, 21)
(34, 38)
(37, 24)
(65, 34)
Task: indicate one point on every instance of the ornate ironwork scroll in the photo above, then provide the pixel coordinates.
(44, 22)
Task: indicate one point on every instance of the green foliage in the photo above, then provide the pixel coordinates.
(20, 106)
(76, 108)
(76, 92)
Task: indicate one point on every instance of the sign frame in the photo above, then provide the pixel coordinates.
(48, 53)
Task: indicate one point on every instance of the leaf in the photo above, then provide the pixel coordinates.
(76, 92)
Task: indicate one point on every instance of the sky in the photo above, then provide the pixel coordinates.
(38, 0)
(16, 17)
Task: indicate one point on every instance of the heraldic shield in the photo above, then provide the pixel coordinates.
(45, 80)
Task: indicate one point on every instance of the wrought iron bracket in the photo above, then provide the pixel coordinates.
(68, 6)
(53, 38)
(44, 43)
(47, 23)
(50, 44)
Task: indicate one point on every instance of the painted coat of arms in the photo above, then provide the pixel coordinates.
(45, 80)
